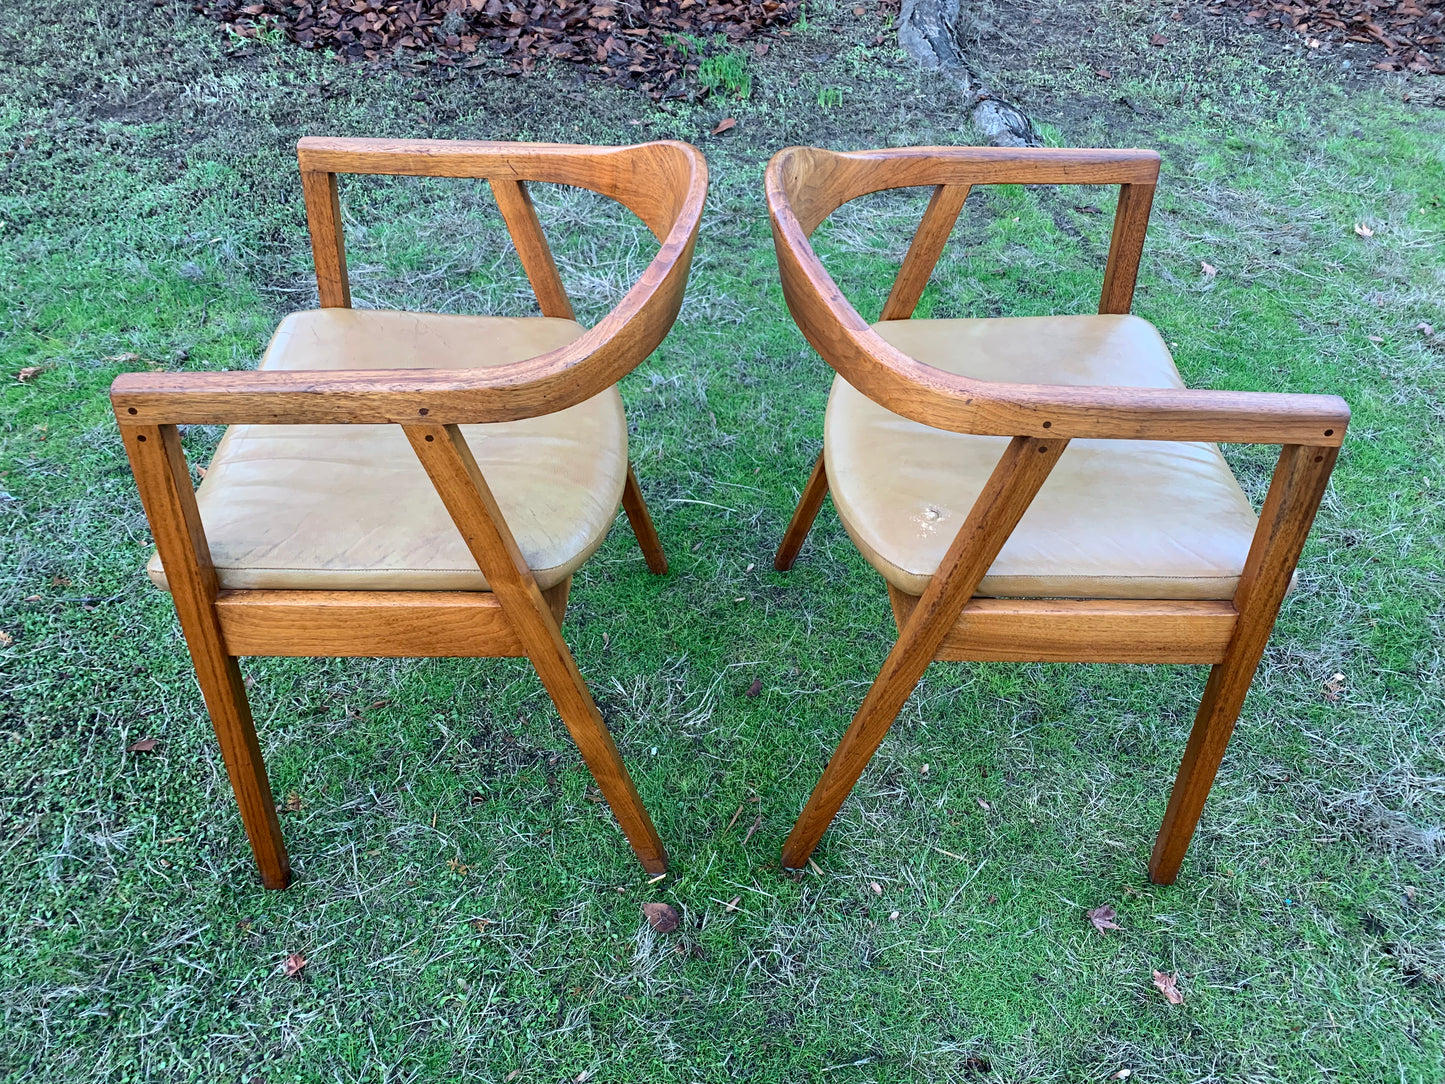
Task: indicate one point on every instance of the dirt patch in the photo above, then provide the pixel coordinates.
(1412, 32)
(654, 46)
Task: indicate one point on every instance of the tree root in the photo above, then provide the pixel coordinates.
(928, 32)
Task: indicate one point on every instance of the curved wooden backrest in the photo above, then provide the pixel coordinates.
(664, 184)
(806, 184)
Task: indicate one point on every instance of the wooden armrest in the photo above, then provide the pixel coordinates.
(961, 404)
(805, 185)
(1226, 417)
(522, 389)
(664, 184)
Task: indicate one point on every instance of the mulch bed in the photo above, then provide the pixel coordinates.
(1412, 31)
(637, 43)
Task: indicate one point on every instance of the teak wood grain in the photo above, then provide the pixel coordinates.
(1295, 492)
(803, 516)
(932, 234)
(804, 186)
(664, 184)
(1006, 496)
(1070, 630)
(328, 241)
(1126, 247)
(373, 624)
(164, 481)
(515, 203)
(458, 481)
(642, 527)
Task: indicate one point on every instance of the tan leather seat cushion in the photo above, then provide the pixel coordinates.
(1116, 519)
(336, 507)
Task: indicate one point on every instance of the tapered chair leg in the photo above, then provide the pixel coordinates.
(1006, 496)
(225, 695)
(1224, 695)
(164, 482)
(1289, 510)
(641, 521)
(803, 517)
(453, 471)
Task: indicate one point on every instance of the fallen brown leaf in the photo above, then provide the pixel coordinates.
(123, 358)
(1167, 987)
(876, 887)
(1159, 40)
(1363, 230)
(1103, 73)
(145, 745)
(755, 688)
(293, 965)
(29, 373)
(1424, 328)
(737, 813)
(1208, 269)
(756, 825)
(724, 125)
(6, 639)
(1103, 918)
(984, 805)
(661, 917)
(733, 904)
(292, 803)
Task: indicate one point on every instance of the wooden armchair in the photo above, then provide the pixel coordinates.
(413, 484)
(1031, 488)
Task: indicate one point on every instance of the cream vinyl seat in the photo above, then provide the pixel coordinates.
(1115, 519)
(331, 507)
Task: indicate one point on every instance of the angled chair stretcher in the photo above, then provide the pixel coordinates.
(495, 609)
(940, 608)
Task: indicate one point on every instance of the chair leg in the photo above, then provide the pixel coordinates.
(803, 516)
(564, 683)
(164, 482)
(637, 515)
(1010, 489)
(458, 481)
(890, 690)
(225, 695)
(1289, 510)
(1219, 709)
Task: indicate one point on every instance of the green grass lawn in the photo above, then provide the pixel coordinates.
(466, 907)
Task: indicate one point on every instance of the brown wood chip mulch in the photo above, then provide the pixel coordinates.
(1412, 31)
(638, 43)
